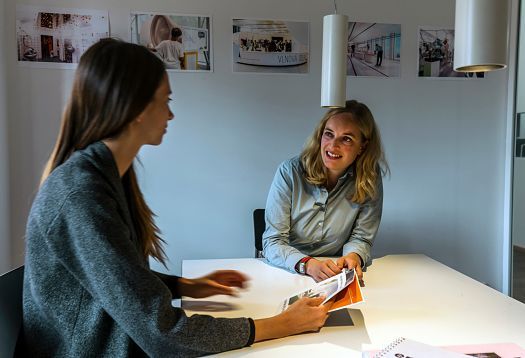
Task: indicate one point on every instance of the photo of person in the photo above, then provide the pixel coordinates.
(182, 42)
(374, 49)
(57, 36)
(270, 46)
(436, 54)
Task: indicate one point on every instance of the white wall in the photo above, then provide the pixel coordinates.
(444, 138)
(5, 247)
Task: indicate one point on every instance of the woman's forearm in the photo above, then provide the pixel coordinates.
(271, 328)
(305, 315)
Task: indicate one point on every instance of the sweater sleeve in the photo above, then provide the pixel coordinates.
(171, 281)
(91, 239)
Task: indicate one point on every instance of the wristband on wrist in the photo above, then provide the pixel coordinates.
(300, 267)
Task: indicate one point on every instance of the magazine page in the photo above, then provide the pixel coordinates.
(328, 288)
(349, 296)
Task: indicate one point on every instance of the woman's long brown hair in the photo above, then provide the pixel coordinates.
(114, 82)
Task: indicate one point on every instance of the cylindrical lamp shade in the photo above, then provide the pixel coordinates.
(333, 82)
(481, 35)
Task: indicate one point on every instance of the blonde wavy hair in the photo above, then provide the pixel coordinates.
(368, 165)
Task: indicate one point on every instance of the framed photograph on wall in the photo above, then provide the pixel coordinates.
(182, 42)
(270, 46)
(374, 49)
(56, 37)
(436, 54)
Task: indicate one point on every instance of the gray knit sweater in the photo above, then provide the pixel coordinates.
(88, 290)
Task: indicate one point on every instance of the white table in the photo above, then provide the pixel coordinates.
(410, 296)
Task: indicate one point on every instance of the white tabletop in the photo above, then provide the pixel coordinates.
(408, 296)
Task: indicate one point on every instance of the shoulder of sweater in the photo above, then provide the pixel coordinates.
(70, 181)
(82, 175)
(82, 172)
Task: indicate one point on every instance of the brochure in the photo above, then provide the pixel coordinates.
(343, 288)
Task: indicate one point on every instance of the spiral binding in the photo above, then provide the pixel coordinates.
(389, 348)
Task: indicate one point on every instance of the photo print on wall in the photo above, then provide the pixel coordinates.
(270, 46)
(181, 41)
(374, 49)
(57, 37)
(436, 54)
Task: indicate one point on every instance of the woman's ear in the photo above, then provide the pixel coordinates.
(139, 119)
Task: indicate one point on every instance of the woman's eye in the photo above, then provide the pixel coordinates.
(328, 134)
(347, 139)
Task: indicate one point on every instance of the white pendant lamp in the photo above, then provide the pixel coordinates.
(333, 78)
(481, 35)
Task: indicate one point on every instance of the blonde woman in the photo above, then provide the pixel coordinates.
(328, 201)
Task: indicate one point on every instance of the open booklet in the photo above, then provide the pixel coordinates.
(344, 288)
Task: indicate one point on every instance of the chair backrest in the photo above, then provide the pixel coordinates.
(11, 285)
(259, 225)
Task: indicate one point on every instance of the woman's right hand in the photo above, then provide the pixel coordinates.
(305, 315)
(321, 270)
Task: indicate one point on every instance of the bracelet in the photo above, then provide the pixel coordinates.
(300, 267)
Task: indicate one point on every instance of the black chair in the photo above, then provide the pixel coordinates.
(11, 285)
(259, 225)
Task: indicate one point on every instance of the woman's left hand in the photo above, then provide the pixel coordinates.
(222, 282)
(352, 260)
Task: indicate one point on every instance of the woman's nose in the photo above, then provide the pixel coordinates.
(335, 142)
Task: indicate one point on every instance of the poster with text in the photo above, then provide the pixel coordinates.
(182, 42)
(374, 49)
(270, 46)
(436, 54)
(57, 37)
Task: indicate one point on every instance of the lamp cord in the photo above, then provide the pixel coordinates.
(335, 6)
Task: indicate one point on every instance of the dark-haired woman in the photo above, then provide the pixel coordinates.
(88, 288)
(328, 201)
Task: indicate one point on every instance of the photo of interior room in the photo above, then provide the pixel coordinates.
(374, 49)
(51, 36)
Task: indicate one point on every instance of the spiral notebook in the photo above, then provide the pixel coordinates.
(406, 348)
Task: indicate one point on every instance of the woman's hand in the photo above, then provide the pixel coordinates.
(305, 315)
(350, 261)
(321, 270)
(222, 282)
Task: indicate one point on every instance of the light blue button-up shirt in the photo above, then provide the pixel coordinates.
(306, 220)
